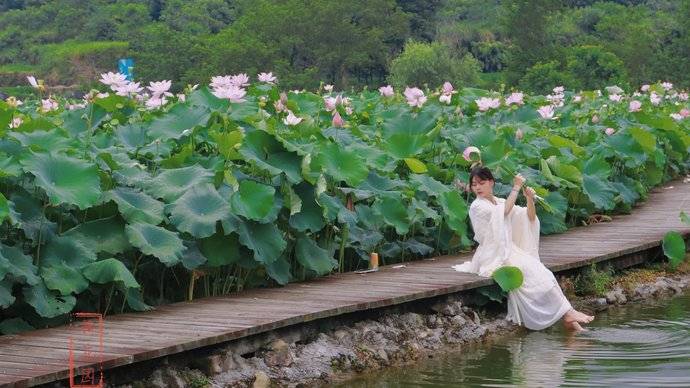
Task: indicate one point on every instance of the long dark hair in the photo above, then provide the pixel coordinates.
(482, 173)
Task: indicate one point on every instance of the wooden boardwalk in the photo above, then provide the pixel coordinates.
(41, 356)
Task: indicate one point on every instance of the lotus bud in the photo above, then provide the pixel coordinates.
(337, 121)
(519, 134)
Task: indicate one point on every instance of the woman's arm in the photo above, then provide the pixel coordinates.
(518, 181)
(531, 210)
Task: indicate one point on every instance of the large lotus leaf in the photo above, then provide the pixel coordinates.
(454, 210)
(567, 172)
(64, 278)
(664, 122)
(290, 163)
(14, 326)
(559, 142)
(198, 210)
(253, 200)
(132, 136)
(135, 300)
(310, 216)
(508, 277)
(192, 258)
(644, 138)
(108, 271)
(52, 140)
(313, 257)
(171, 184)
(674, 248)
(393, 212)
(369, 216)
(228, 143)
(366, 239)
(102, 235)
(4, 208)
(156, 241)
(428, 184)
(65, 179)
(402, 120)
(220, 249)
(47, 303)
(204, 97)
(17, 264)
(30, 216)
(626, 189)
(597, 166)
(374, 185)
(553, 221)
(403, 145)
(333, 208)
(343, 164)
(6, 297)
(417, 248)
(265, 240)
(136, 206)
(67, 250)
(267, 153)
(279, 270)
(420, 211)
(628, 148)
(177, 120)
(599, 192)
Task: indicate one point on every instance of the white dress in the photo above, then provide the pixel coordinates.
(513, 240)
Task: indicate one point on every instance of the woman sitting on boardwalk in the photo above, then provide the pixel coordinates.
(508, 235)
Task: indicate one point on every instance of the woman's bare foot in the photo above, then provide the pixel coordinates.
(573, 318)
(573, 326)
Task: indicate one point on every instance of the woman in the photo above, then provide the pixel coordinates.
(508, 235)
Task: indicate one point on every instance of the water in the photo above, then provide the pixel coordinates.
(630, 346)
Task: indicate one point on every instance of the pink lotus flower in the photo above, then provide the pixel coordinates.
(684, 112)
(386, 91)
(156, 102)
(102, 95)
(348, 110)
(113, 79)
(415, 97)
(218, 82)
(559, 89)
(160, 88)
(181, 97)
(634, 106)
(447, 88)
(328, 88)
(667, 85)
(610, 131)
(337, 121)
(486, 103)
(577, 98)
(615, 97)
(676, 116)
(595, 119)
(518, 134)
(515, 98)
(330, 103)
(291, 119)
(555, 100)
(546, 111)
(683, 96)
(16, 122)
(445, 98)
(48, 105)
(654, 98)
(231, 92)
(240, 80)
(13, 102)
(267, 78)
(32, 81)
(76, 106)
(467, 153)
(644, 88)
(127, 89)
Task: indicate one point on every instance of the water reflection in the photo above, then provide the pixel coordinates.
(628, 346)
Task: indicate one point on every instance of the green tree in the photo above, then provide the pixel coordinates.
(593, 68)
(544, 76)
(432, 64)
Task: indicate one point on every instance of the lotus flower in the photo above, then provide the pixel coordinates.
(486, 103)
(181, 97)
(113, 79)
(515, 98)
(634, 106)
(160, 88)
(415, 97)
(48, 105)
(676, 116)
(684, 112)
(467, 153)
(644, 88)
(386, 91)
(614, 90)
(16, 122)
(13, 102)
(518, 134)
(683, 96)
(240, 80)
(610, 131)
(577, 98)
(156, 102)
(291, 119)
(127, 89)
(267, 78)
(447, 88)
(231, 92)
(337, 121)
(546, 111)
(595, 119)
(615, 97)
(445, 98)
(559, 89)
(667, 85)
(654, 98)
(328, 88)
(219, 82)
(330, 103)
(32, 81)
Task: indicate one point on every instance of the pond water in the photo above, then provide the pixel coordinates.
(634, 345)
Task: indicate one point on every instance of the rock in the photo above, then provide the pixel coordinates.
(279, 355)
(340, 335)
(476, 318)
(166, 378)
(616, 296)
(600, 301)
(458, 320)
(261, 380)
(448, 309)
(211, 365)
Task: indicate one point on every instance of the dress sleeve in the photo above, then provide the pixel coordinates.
(525, 233)
(481, 219)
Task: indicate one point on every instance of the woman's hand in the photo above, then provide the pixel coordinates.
(529, 193)
(518, 181)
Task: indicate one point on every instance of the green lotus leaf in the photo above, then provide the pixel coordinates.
(628, 148)
(220, 249)
(14, 326)
(171, 184)
(599, 192)
(63, 278)
(342, 164)
(644, 138)
(310, 216)
(428, 185)
(279, 270)
(265, 240)
(135, 300)
(198, 210)
(132, 136)
(674, 248)
(228, 143)
(66, 250)
(405, 133)
(417, 248)
(393, 212)
(508, 277)
(366, 239)
(684, 218)
(625, 187)
(101, 235)
(553, 221)
(47, 303)
(65, 179)
(156, 241)
(267, 153)
(53, 140)
(559, 142)
(454, 211)
(597, 167)
(416, 165)
(253, 200)
(313, 257)
(567, 172)
(177, 120)
(136, 206)
(17, 264)
(110, 271)
(6, 297)
(203, 97)
(4, 208)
